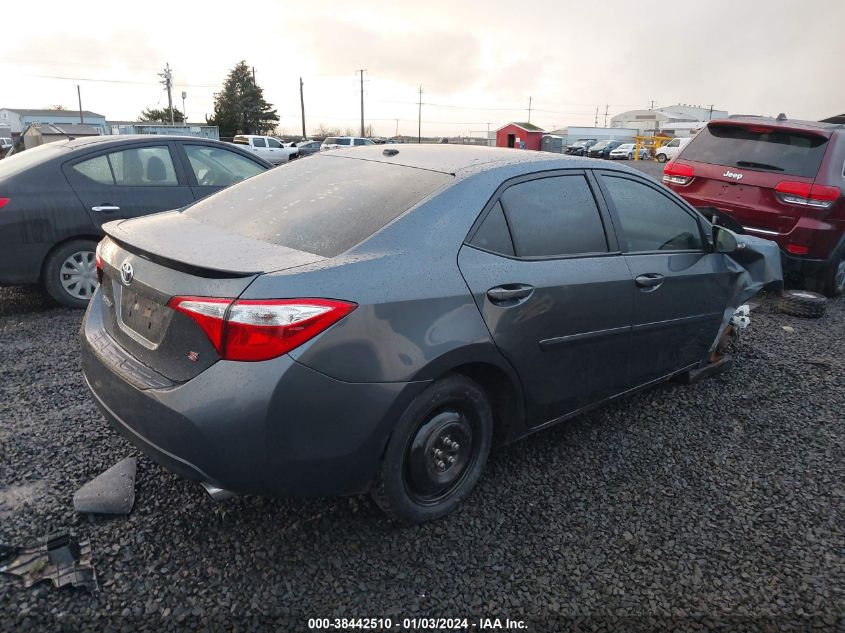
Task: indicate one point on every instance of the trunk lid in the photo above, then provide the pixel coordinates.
(148, 261)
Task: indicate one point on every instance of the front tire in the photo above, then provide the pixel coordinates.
(70, 273)
(437, 451)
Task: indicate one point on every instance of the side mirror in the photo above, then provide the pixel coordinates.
(725, 241)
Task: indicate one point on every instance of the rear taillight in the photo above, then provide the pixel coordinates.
(98, 261)
(806, 194)
(4, 202)
(678, 174)
(254, 330)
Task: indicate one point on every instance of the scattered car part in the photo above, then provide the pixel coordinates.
(693, 376)
(112, 492)
(63, 560)
(802, 303)
(218, 494)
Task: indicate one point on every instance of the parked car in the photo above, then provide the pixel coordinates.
(602, 149)
(5, 145)
(54, 199)
(580, 147)
(371, 321)
(670, 150)
(270, 149)
(340, 142)
(775, 178)
(306, 148)
(627, 150)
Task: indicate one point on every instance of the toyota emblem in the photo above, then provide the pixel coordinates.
(126, 272)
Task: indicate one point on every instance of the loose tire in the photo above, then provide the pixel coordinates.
(661, 158)
(437, 451)
(70, 274)
(802, 303)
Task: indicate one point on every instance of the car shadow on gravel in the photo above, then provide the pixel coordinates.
(20, 300)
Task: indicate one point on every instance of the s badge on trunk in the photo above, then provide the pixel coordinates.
(126, 273)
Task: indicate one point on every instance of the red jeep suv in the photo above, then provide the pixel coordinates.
(775, 178)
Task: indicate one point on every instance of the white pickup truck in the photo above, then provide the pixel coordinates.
(270, 149)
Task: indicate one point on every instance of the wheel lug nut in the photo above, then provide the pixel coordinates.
(438, 453)
(441, 465)
(455, 446)
(451, 459)
(447, 440)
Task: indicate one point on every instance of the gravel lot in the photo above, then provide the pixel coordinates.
(683, 508)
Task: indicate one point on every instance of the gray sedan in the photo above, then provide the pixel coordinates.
(373, 320)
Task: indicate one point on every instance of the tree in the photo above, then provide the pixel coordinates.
(323, 131)
(57, 107)
(161, 116)
(240, 108)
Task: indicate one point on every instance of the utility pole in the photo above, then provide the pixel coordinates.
(184, 114)
(167, 76)
(651, 107)
(302, 107)
(529, 109)
(361, 72)
(606, 108)
(419, 118)
(710, 118)
(596, 124)
(397, 129)
(79, 96)
(253, 76)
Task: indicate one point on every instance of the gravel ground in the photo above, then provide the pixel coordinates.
(716, 506)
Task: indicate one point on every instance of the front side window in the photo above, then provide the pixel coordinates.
(258, 142)
(554, 216)
(344, 141)
(271, 142)
(216, 167)
(143, 166)
(650, 220)
(330, 140)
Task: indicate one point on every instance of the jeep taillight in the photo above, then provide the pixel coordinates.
(806, 194)
(678, 174)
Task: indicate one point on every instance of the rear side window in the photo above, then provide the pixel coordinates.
(493, 234)
(258, 142)
(96, 169)
(651, 221)
(554, 216)
(344, 141)
(324, 205)
(758, 147)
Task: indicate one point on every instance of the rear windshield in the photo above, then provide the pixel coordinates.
(324, 205)
(758, 148)
(17, 163)
(241, 140)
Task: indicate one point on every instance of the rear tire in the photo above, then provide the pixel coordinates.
(661, 158)
(69, 274)
(831, 281)
(802, 303)
(437, 451)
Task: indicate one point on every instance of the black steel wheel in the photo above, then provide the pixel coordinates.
(437, 451)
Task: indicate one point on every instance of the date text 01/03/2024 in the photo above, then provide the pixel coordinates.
(413, 624)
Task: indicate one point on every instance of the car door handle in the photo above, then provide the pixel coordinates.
(649, 280)
(105, 208)
(509, 293)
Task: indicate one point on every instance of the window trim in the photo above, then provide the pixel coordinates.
(604, 217)
(680, 202)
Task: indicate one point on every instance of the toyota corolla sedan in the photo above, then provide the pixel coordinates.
(374, 320)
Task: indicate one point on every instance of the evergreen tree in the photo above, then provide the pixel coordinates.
(162, 115)
(240, 108)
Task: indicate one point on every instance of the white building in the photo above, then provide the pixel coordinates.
(679, 120)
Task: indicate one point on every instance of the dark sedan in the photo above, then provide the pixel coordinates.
(370, 320)
(54, 199)
(602, 149)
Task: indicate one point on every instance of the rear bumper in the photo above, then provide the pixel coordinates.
(273, 428)
(792, 264)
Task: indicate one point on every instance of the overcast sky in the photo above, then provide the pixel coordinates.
(477, 61)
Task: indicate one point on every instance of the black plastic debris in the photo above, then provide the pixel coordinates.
(63, 560)
(112, 492)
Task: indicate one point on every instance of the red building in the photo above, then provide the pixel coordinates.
(515, 134)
